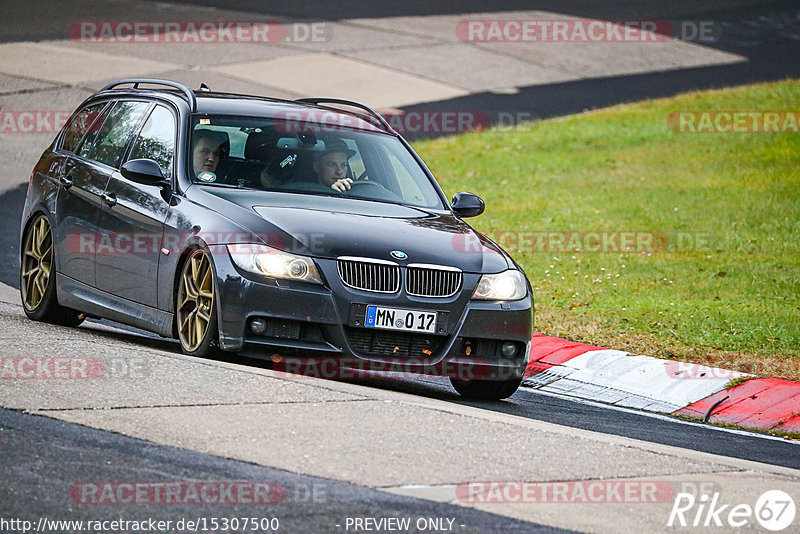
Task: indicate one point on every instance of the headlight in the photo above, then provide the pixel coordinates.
(268, 261)
(508, 285)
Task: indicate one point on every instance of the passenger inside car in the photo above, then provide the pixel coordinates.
(279, 171)
(208, 149)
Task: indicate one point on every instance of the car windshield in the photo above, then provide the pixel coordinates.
(290, 156)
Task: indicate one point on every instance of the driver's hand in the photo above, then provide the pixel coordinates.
(342, 185)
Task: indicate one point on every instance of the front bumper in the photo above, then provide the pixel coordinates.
(313, 322)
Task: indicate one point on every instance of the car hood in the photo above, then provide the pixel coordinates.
(330, 227)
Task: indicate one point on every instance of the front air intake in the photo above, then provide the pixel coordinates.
(369, 274)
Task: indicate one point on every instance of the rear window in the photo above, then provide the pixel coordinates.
(156, 141)
(80, 123)
(108, 142)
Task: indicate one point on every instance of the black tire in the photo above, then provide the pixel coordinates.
(192, 307)
(37, 276)
(486, 389)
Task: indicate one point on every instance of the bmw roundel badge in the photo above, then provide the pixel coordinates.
(399, 254)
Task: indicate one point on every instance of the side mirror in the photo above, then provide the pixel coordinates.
(468, 205)
(144, 171)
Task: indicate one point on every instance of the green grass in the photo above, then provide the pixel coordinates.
(726, 291)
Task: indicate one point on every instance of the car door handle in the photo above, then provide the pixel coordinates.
(67, 181)
(109, 199)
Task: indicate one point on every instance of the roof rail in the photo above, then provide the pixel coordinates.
(190, 97)
(374, 114)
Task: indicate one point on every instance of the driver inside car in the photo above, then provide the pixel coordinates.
(332, 165)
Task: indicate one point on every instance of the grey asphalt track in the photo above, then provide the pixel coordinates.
(45, 459)
(772, 54)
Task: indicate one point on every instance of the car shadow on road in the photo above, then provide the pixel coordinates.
(12, 201)
(127, 334)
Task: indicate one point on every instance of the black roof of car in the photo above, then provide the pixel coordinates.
(206, 101)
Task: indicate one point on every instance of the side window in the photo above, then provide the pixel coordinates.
(107, 143)
(157, 139)
(83, 121)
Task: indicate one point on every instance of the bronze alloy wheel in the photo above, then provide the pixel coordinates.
(195, 303)
(37, 263)
(37, 276)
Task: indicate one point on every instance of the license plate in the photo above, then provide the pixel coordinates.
(397, 319)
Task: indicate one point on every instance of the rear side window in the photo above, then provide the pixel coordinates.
(83, 121)
(107, 143)
(157, 140)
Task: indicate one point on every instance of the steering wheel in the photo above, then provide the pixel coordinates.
(374, 191)
(366, 183)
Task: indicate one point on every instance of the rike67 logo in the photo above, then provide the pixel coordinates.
(774, 510)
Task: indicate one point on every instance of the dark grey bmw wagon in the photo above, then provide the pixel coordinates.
(287, 230)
